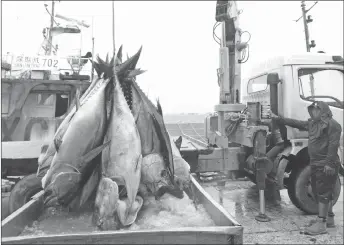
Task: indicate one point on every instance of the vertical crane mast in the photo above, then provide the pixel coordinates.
(227, 14)
(229, 73)
(50, 40)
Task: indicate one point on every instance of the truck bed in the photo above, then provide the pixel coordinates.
(226, 230)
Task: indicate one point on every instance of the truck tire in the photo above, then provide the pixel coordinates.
(299, 188)
(23, 191)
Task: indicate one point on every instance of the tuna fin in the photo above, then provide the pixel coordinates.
(134, 73)
(166, 146)
(178, 142)
(90, 186)
(139, 161)
(159, 107)
(93, 153)
(57, 142)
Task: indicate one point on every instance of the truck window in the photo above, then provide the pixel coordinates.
(322, 82)
(62, 104)
(46, 99)
(58, 100)
(257, 84)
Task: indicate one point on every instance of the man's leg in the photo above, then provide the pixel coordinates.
(324, 187)
(330, 216)
(314, 190)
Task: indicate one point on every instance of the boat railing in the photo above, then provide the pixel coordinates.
(14, 66)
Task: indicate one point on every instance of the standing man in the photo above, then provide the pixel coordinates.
(323, 142)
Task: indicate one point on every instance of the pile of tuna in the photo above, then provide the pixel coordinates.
(112, 148)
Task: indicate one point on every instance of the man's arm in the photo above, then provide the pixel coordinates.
(302, 125)
(334, 133)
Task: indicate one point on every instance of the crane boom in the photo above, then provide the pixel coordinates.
(230, 48)
(229, 72)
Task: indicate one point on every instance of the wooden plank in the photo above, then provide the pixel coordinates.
(28, 149)
(194, 235)
(220, 216)
(14, 224)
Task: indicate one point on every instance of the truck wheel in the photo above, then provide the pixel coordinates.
(300, 190)
(23, 191)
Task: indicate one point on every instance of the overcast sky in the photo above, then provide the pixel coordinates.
(179, 52)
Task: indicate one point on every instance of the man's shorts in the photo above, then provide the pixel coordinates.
(323, 185)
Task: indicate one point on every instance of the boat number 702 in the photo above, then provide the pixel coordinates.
(50, 62)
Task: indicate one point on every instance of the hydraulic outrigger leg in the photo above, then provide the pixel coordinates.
(262, 166)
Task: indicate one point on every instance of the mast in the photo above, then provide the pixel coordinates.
(50, 40)
(113, 26)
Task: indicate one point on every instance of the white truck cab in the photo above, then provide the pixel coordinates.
(304, 78)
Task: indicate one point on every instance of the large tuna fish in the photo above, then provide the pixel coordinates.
(48, 151)
(155, 141)
(121, 166)
(80, 143)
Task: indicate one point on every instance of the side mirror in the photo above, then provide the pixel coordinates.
(273, 78)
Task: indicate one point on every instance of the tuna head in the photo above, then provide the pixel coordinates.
(156, 179)
(63, 180)
(154, 175)
(106, 203)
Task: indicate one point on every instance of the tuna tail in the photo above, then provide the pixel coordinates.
(105, 67)
(130, 64)
(118, 59)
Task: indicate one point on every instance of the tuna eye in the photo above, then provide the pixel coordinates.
(163, 173)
